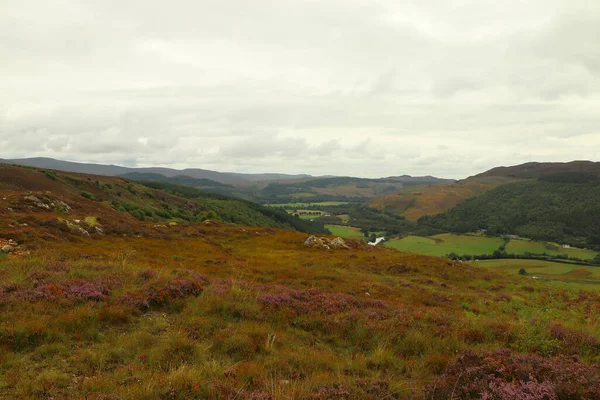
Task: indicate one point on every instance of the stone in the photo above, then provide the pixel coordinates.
(314, 241)
(7, 248)
(37, 202)
(338, 243)
(323, 242)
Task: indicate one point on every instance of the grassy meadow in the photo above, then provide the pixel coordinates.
(572, 273)
(522, 246)
(226, 312)
(303, 205)
(440, 245)
(345, 231)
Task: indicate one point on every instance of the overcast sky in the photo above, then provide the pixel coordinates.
(346, 87)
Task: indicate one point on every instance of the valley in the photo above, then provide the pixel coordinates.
(150, 289)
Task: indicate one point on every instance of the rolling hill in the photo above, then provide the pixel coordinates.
(561, 206)
(177, 180)
(340, 188)
(114, 170)
(415, 202)
(262, 188)
(535, 170)
(56, 199)
(98, 304)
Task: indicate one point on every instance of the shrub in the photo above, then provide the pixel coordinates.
(88, 195)
(159, 294)
(313, 300)
(50, 174)
(499, 375)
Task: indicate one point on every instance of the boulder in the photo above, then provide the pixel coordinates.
(38, 203)
(323, 242)
(314, 241)
(338, 243)
(7, 248)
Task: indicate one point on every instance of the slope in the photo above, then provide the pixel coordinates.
(216, 311)
(46, 203)
(152, 310)
(339, 188)
(417, 201)
(534, 170)
(561, 207)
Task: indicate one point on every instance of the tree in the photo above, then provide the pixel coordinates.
(522, 271)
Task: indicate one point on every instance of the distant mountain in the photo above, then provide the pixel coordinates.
(534, 170)
(264, 188)
(416, 201)
(419, 180)
(340, 188)
(114, 170)
(177, 180)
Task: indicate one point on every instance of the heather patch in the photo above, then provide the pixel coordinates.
(500, 375)
(315, 301)
(94, 289)
(159, 293)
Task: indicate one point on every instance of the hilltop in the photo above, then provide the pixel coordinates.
(417, 201)
(114, 170)
(534, 170)
(261, 188)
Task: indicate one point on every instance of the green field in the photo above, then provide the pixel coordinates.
(300, 205)
(546, 270)
(345, 231)
(440, 245)
(521, 246)
(344, 217)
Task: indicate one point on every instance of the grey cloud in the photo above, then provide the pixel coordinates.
(373, 88)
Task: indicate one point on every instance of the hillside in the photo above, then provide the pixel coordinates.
(115, 204)
(415, 202)
(114, 170)
(339, 188)
(177, 180)
(535, 170)
(207, 185)
(155, 310)
(560, 207)
(262, 188)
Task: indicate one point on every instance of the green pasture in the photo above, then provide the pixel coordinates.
(440, 245)
(546, 269)
(300, 205)
(344, 217)
(345, 231)
(521, 246)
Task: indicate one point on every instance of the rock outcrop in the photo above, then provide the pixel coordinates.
(11, 247)
(324, 243)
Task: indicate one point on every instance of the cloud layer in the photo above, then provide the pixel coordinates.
(346, 87)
